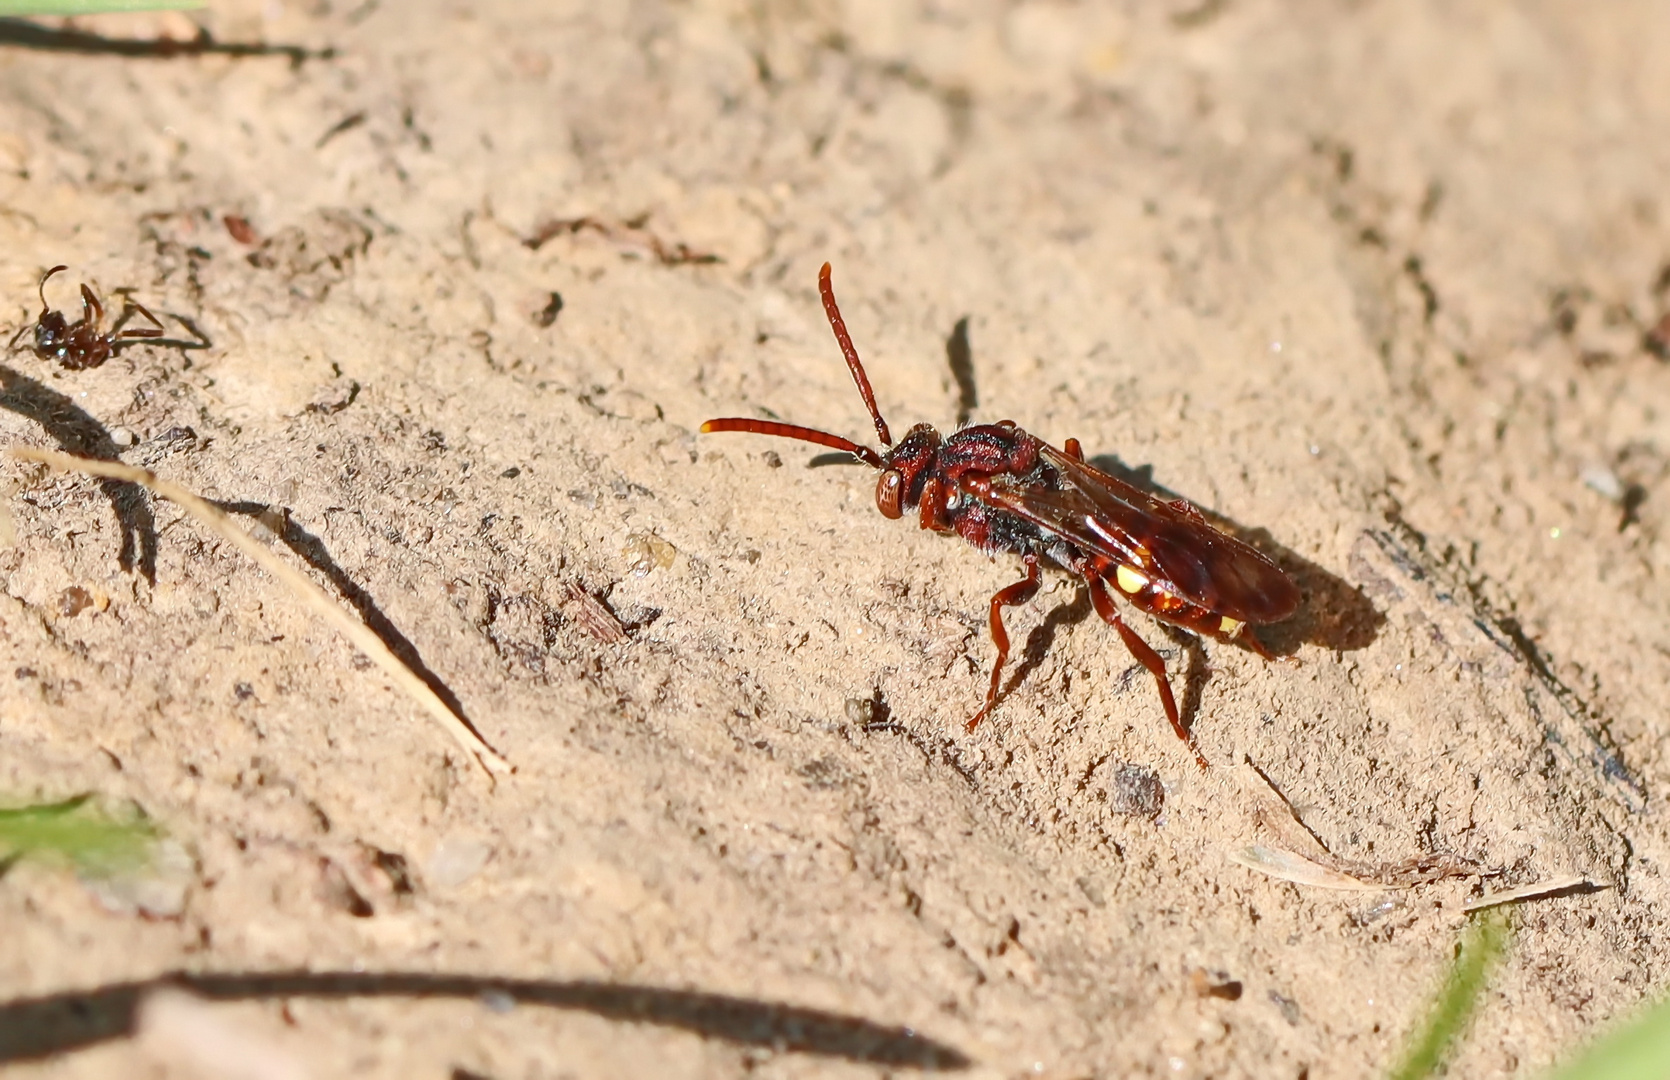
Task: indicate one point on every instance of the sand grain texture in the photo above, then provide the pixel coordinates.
(1380, 280)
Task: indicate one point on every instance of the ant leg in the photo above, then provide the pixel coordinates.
(11, 346)
(1073, 450)
(1145, 656)
(117, 333)
(1008, 596)
(92, 312)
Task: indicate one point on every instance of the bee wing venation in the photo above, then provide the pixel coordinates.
(1106, 516)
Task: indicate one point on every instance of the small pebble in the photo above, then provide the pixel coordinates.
(1604, 482)
(547, 314)
(73, 601)
(1136, 792)
(647, 551)
(455, 861)
(497, 1001)
(156, 890)
(274, 520)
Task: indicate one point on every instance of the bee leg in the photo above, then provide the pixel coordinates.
(1008, 596)
(931, 510)
(1145, 656)
(934, 510)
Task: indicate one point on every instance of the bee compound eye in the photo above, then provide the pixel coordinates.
(890, 494)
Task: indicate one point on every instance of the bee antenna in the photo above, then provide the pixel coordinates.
(839, 325)
(795, 431)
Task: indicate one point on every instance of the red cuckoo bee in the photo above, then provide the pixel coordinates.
(1004, 490)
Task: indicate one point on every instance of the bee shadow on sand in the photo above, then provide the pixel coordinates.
(1334, 613)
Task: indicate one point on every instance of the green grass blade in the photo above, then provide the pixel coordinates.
(89, 839)
(91, 7)
(1638, 1051)
(1485, 941)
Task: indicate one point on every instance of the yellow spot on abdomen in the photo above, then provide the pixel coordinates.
(1231, 627)
(1129, 580)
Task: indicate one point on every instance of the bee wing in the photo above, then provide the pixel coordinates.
(1169, 543)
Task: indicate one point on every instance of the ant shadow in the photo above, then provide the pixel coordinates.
(1195, 676)
(32, 1029)
(959, 357)
(28, 35)
(1042, 637)
(76, 431)
(1076, 611)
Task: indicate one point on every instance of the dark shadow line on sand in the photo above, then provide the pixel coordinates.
(1040, 639)
(959, 357)
(38, 1027)
(312, 550)
(27, 35)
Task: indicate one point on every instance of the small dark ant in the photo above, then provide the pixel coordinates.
(83, 344)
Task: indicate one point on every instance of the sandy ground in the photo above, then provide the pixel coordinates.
(1376, 282)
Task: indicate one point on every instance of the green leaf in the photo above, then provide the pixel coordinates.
(1486, 940)
(1638, 1051)
(91, 7)
(89, 839)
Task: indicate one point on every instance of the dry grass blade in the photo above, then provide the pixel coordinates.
(357, 633)
(1296, 868)
(1535, 891)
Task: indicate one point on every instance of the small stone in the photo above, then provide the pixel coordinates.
(1604, 482)
(156, 890)
(1288, 1008)
(547, 314)
(455, 861)
(1136, 792)
(497, 1001)
(274, 522)
(647, 551)
(73, 601)
(333, 397)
